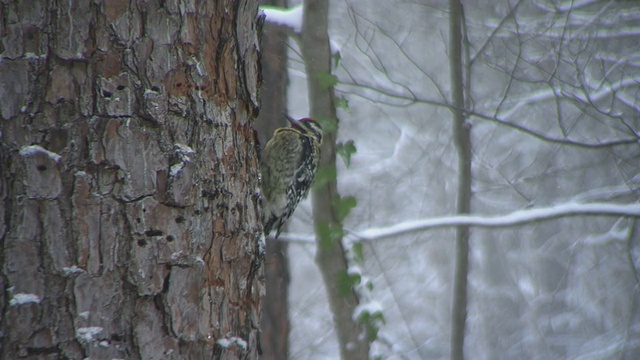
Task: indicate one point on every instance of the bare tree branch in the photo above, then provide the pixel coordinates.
(516, 218)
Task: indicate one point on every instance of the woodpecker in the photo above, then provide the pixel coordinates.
(289, 163)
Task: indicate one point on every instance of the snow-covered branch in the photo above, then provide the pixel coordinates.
(519, 217)
(290, 18)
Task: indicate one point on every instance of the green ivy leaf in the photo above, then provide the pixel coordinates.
(345, 150)
(358, 252)
(329, 234)
(343, 283)
(342, 103)
(326, 80)
(355, 279)
(346, 282)
(343, 206)
(337, 57)
(329, 124)
(372, 323)
(369, 286)
(325, 174)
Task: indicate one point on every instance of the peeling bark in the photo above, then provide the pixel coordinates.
(129, 216)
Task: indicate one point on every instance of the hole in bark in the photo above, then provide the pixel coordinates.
(138, 220)
(106, 93)
(142, 242)
(180, 219)
(116, 337)
(120, 87)
(197, 212)
(144, 210)
(41, 167)
(155, 88)
(153, 232)
(165, 284)
(170, 238)
(179, 85)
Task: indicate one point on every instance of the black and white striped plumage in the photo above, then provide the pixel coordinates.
(289, 164)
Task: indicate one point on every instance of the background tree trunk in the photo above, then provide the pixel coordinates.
(129, 219)
(330, 254)
(462, 141)
(273, 90)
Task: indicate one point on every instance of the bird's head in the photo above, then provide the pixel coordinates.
(307, 126)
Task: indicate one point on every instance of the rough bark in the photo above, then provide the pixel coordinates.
(330, 255)
(129, 219)
(462, 141)
(275, 306)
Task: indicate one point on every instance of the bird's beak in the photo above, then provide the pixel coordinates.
(291, 120)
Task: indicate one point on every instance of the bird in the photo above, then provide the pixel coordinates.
(289, 165)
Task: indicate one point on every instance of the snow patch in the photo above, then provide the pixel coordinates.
(618, 232)
(335, 48)
(226, 342)
(88, 334)
(32, 56)
(22, 298)
(291, 17)
(176, 168)
(37, 149)
(527, 288)
(372, 307)
(85, 314)
(184, 154)
(354, 270)
(262, 245)
(184, 150)
(72, 270)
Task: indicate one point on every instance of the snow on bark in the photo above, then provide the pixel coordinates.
(88, 334)
(21, 298)
(43, 172)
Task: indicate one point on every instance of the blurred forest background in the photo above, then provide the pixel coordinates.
(552, 99)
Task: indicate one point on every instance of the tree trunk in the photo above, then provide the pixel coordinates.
(462, 141)
(330, 255)
(129, 220)
(275, 311)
